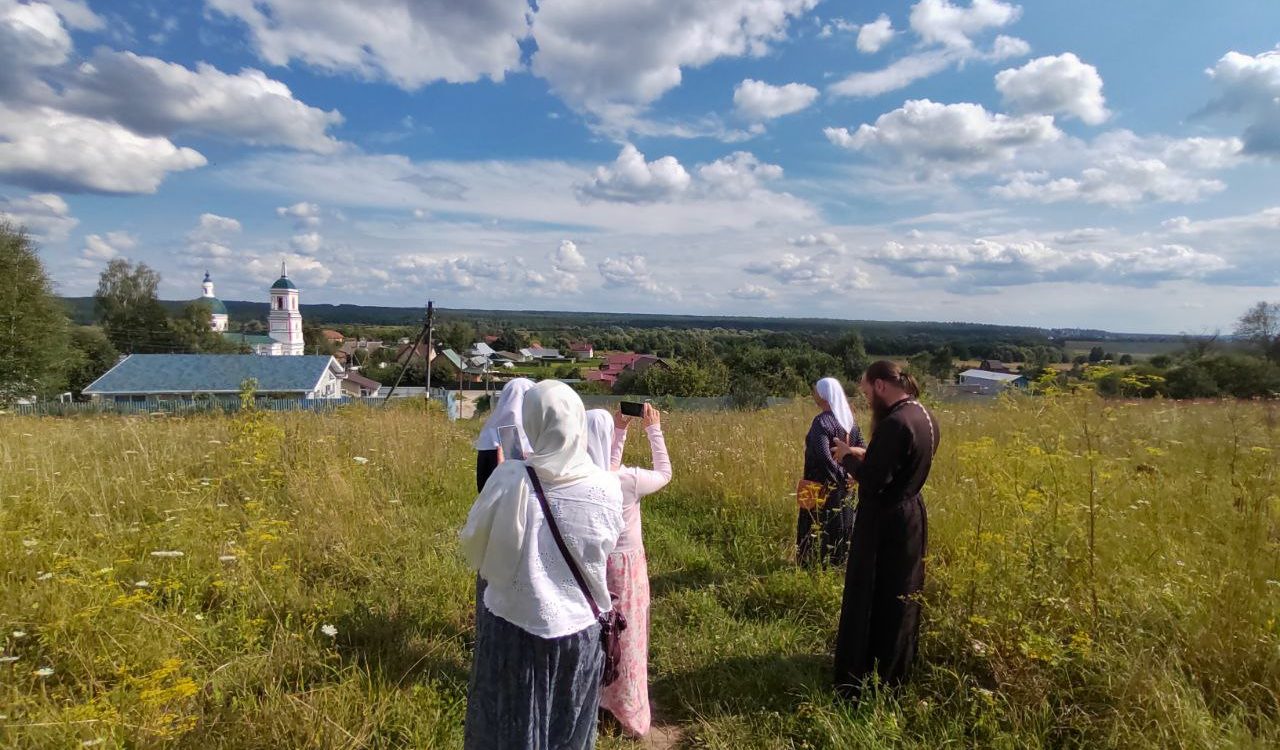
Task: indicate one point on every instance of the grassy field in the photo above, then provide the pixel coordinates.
(1100, 575)
(1136, 349)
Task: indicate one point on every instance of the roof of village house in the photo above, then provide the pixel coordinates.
(361, 380)
(141, 374)
(999, 377)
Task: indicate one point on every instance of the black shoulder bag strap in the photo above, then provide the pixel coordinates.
(612, 622)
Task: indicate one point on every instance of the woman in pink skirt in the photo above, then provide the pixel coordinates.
(627, 572)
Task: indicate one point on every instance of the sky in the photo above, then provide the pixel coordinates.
(1059, 164)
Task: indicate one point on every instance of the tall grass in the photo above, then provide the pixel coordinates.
(293, 527)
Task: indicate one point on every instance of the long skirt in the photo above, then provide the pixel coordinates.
(880, 614)
(486, 462)
(530, 692)
(627, 697)
(822, 534)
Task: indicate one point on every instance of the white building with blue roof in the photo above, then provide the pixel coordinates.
(143, 377)
(284, 321)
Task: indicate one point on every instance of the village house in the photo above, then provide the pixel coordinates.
(184, 377)
(355, 385)
(992, 382)
(333, 337)
(616, 364)
(995, 365)
(582, 350)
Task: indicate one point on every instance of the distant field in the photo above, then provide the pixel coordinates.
(1136, 349)
(1099, 575)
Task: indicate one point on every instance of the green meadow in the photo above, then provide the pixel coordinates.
(1100, 574)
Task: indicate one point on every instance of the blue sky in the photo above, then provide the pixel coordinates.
(1088, 163)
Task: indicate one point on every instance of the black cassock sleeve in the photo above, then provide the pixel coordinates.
(883, 459)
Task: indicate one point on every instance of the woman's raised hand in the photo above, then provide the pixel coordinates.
(620, 421)
(652, 416)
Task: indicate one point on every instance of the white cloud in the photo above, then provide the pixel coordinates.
(872, 37)
(815, 272)
(1122, 168)
(410, 43)
(44, 148)
(45, 215)
(947, 37)
(77, 14)
(599, 56)
(1249, 86)
(308, 243)
(897, 75)
(542, 192)
(631, 272)
(840, 25)
(940, 22)
(213, 225)
(1055, 85)
(923, 132)
(304, 214)
(737, 176)
(753, 292)
(209, 239)
(821, 239)
(757, 100)
(631, 179)
(153, 97)
(99, 249)
(567, 258)
(986, 263)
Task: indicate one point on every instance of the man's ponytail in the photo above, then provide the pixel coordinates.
(892, 372)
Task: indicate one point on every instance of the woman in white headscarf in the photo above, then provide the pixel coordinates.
(535, 679)
(627, 697)
(505, 412)
(822, 533)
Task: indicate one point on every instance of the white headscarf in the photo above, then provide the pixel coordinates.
(506, 411)
(600, 437)
(830, 390)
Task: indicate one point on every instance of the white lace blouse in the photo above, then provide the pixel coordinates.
(541, 596)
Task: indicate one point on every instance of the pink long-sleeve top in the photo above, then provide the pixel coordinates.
(636, 483)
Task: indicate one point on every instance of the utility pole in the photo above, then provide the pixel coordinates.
(413, 348)
(431, 349)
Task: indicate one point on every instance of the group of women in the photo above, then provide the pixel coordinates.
(556, 540)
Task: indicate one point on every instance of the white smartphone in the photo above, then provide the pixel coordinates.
(509, 439)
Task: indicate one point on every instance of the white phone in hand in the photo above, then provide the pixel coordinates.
(509, 439)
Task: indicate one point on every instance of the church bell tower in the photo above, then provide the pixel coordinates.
(285, 321)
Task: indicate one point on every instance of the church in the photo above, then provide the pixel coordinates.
(284, 322)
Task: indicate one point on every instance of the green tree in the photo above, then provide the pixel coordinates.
(852, 353)
(458, 335)
(129, 311)
(191, 332)
(91, 355)
(34, 336)
(1096, 354)
(1260, 326)
(686, 379)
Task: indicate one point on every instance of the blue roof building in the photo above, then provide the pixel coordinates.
(177, 376)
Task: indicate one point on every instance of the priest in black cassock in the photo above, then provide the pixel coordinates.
(880, 615)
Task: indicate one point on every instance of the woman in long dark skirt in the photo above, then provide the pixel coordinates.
(536, 674)
(822, 534)
(505, 412)
(880, 614)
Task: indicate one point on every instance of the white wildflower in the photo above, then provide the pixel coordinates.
(226, 558)
(361, 460)
(142, 584)
(92, 743)
(329, 630)
(28, 543)
(44, 576)
(19, 634)
(167, 553)
(200, 617)
(979, 648)
(44, 672)
(8, 659)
